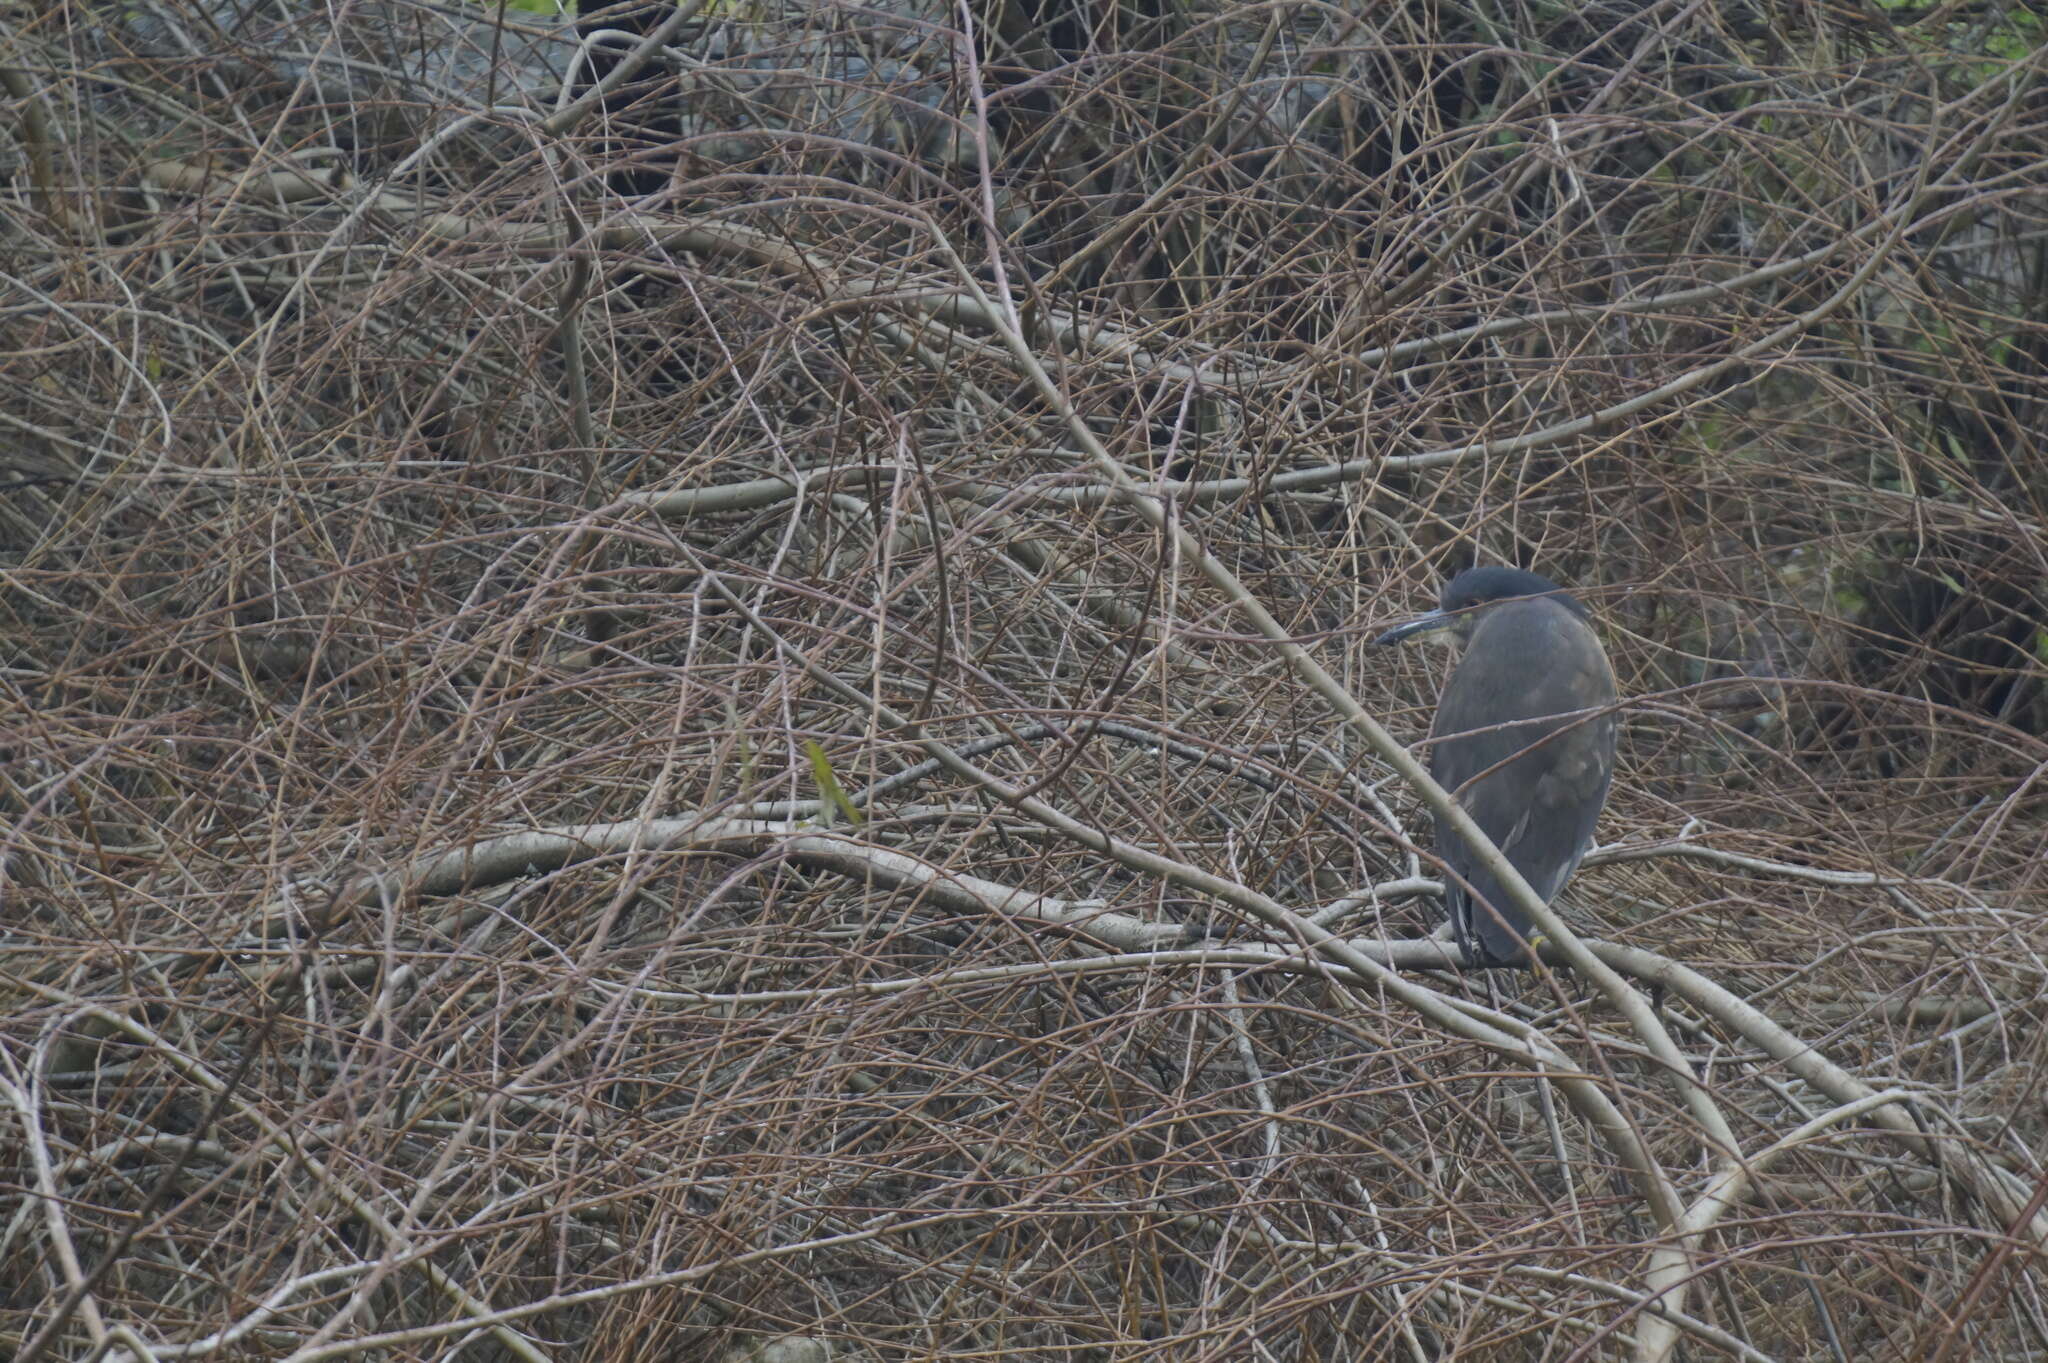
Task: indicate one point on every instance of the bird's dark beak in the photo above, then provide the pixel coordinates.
(1421, 624)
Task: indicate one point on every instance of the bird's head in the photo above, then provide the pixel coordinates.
(1465, 599)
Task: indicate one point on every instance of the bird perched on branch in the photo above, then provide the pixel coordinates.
(1523, 739)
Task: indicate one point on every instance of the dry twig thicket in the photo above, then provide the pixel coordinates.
(727, 714)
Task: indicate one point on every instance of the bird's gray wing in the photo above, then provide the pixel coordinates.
(1485, 917)
(1532, 781)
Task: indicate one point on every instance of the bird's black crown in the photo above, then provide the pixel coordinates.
(1478, 586)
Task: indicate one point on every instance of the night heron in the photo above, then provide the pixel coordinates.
(1523, 739)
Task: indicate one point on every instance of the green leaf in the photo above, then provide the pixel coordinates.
(829, 789)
